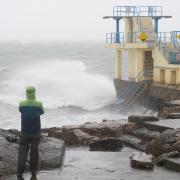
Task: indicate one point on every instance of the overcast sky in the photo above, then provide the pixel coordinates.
(35, 20)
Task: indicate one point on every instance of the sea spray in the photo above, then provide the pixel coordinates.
(59, 83)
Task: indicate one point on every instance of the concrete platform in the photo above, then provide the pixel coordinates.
(81, 164)
(162, 125)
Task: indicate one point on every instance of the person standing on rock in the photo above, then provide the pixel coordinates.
(30, 110)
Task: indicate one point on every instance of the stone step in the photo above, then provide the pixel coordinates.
(133, 142)
(173, 116)
(154, 126)
(172, 163)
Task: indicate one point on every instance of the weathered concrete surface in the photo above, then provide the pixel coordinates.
(162, 125)
(51, 153)
(142, 160)
(82, 164)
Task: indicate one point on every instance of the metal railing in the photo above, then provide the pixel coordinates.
(169, 46)
(115, 38)
(151, 11)
(129, 37)
(131, 87)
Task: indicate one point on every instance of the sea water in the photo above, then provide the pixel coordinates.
(74, 80)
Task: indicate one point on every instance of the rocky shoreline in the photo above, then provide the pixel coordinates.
(155, 144)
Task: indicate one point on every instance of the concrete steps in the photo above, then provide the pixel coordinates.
(172, 163)
(133, 142)
(149, 130)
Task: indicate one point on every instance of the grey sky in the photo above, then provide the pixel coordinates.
(26, 20)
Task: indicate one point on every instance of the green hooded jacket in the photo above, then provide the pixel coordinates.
(31, 110)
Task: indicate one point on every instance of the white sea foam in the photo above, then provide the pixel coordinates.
(60, 83)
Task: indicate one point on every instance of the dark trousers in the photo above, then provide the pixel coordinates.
(28, 142)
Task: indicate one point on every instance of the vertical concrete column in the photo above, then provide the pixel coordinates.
(167, 76)
(178, 76)
(131, 64)
(118, 64)
(139, 64)
(128, 30)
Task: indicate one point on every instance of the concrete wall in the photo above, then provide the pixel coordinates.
(153, 97)
(163, 71)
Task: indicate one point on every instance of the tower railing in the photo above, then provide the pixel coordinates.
(129, 37)
(169, 46)
(126, 11)
(112, 38)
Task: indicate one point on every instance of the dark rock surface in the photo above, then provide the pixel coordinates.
(140, 119)
(106, 144)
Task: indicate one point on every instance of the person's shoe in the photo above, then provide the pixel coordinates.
(33, 177)
(20, 177)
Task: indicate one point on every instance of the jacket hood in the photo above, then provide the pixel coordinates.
(31, 93)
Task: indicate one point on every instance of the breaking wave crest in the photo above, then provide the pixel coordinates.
(59, 84)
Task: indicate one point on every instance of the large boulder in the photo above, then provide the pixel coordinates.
(76, 137)
(51, 153)
(106, 144)
(8, 157)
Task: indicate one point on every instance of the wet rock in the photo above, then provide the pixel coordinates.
(145, 134)
(140, 119)
(157, 148)
(51, 153)
(142, 160)
(88, 132)
(106, 144)
(176, 146)
(76, 137)
(159, 160)
(8, 153)
(168, 141)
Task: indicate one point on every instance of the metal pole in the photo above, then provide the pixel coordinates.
(117, 30)
(156, 24)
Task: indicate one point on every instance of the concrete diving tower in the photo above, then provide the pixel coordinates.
(152, 54)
